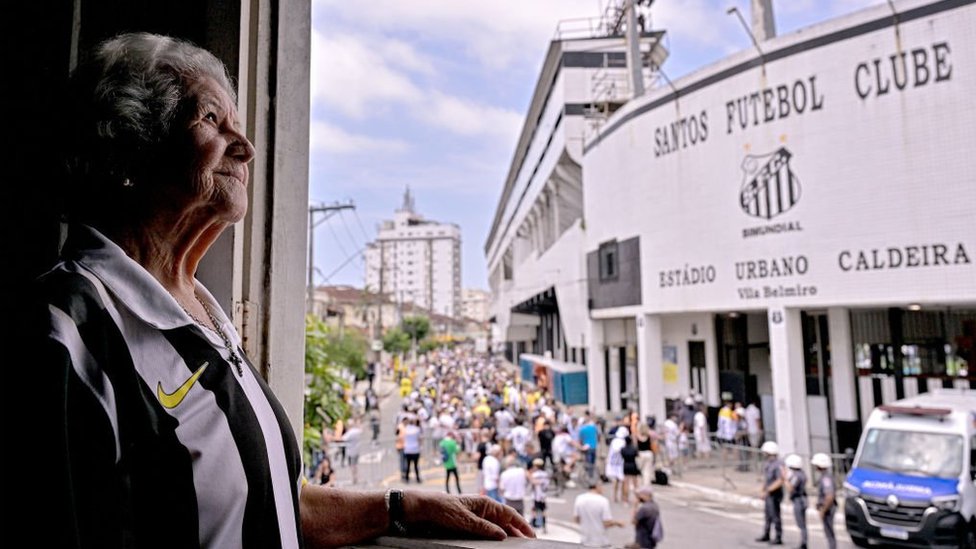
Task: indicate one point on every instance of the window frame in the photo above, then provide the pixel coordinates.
(608, 271)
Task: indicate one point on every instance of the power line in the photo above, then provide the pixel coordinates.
(344, 264)
(348, 232)
(336, 237)
(348, 257)
(361, 228)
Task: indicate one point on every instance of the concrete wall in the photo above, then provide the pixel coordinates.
(274, 82)
(677, 331)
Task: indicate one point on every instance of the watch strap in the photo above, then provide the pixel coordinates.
(394, 508)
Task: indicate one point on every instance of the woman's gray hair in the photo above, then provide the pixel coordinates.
(125, 99)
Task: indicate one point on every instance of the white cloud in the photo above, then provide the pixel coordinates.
(350, 77)
(496, 33)
(468, 118)
(357, 79)
(332, 139)
(700, 23)
(404, 55)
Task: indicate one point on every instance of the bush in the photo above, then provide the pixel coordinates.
(326, 354)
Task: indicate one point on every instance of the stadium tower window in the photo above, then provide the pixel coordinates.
(609, 261)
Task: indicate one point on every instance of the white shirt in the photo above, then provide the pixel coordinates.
(670, 431)
(613, 452)
(753, 418)
(503, 419)
(351, 438)
(701, 422)
(436, 430)
(519, 436)
(592, 509)
(234, 463)
(514, 397)
(489, 469)
(411, 439)
(561, 445)
(540, 482)
(512, 483)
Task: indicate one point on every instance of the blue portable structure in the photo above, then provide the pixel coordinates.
(565, 380)
(525, 364)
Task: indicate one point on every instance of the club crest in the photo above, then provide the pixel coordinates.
(769, 186)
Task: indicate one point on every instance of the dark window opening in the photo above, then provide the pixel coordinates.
(609, 261)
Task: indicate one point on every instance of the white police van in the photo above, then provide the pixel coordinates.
(913, 480)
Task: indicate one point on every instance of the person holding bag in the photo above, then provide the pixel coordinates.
(648, 530)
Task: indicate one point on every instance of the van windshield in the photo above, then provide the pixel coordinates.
(912, 453)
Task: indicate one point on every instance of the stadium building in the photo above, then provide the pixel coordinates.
(794, 224)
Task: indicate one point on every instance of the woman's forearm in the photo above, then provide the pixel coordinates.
(332, 517)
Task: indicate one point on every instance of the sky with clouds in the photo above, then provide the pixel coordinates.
(432, 94)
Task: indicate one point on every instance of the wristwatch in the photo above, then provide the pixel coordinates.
(394, 508)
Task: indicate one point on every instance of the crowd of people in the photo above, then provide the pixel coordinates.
(467, 410)
(464, 407)
(688, 433)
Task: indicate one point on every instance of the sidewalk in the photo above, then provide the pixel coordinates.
(742, 488)
(722, 482)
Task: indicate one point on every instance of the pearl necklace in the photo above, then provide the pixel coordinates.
(235, 359)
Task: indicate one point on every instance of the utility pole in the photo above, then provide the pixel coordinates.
(763, 25)
(329, 210)
(634, 60)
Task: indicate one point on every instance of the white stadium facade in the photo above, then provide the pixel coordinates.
(795, 224)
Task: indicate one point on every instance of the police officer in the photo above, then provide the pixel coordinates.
(796, 483)
(772, 493)
(826, 502)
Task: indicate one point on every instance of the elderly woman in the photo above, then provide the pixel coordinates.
(170, 437)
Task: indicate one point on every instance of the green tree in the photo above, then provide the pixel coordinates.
(427, 346)
(326, 354)
(417, 327)
(396, 341)
(349, 351)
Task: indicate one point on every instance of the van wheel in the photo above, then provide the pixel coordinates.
(969, 537)
(860, 542)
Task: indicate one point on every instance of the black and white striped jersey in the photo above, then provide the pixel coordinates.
(166, 443)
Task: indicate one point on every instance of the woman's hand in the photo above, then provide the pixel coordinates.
(440, 515)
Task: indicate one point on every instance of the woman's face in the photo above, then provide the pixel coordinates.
(207, 163)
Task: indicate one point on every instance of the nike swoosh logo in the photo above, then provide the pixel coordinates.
(172, 400)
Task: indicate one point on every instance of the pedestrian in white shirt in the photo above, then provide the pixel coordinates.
(513, 484)
(520, 435)
(539, 479)
(490, 469)
(436, 433)
(503, 426)
(703, 446)
(411, 448)
(671, 432)
(615, 462)
(351, 440)
(754, 424)
(592, 512)
(562, 444)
